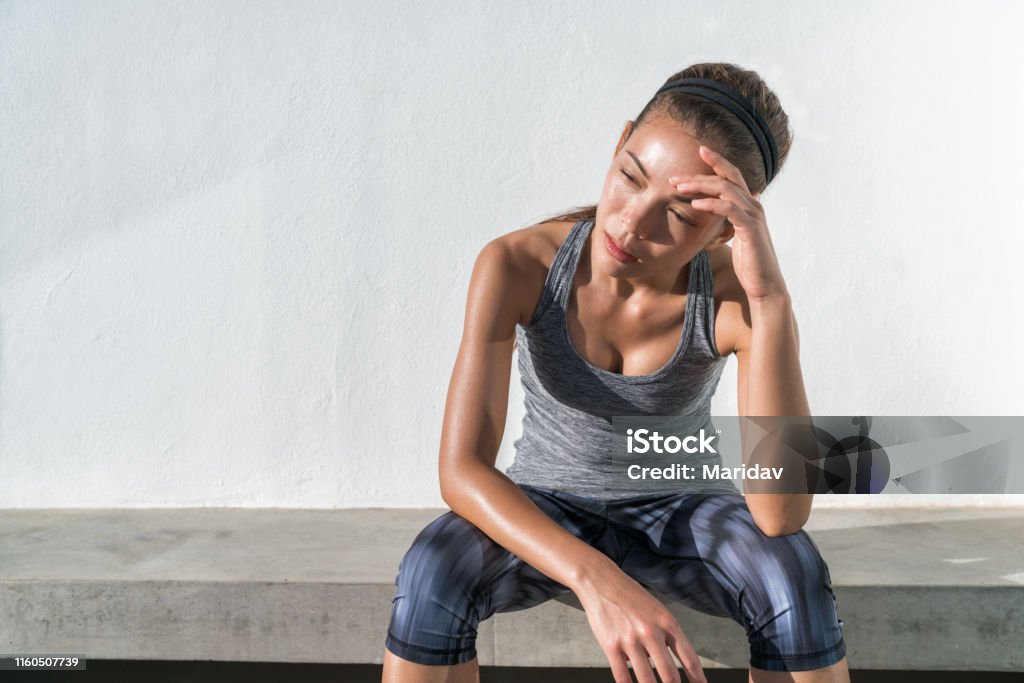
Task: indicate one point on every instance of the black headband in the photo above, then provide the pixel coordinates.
(745, 112)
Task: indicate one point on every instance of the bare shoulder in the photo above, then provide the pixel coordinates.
(732, 309)
(527, 254)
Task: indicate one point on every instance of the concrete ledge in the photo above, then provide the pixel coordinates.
(932, 588)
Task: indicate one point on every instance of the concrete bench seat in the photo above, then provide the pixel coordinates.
(927, 588)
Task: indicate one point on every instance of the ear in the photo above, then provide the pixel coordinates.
(626, 132)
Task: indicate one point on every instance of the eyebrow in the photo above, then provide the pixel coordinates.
(681, 197)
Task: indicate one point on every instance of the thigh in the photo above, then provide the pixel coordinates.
(454, 576)
(453, 568)
(519, 585)
(672, 550)
(434, 616)
(712, 556)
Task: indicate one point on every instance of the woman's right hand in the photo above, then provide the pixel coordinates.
(632, 624)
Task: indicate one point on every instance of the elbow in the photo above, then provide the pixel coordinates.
(779, 515)
(774, 531)
(779, 526)
(448, 487)
(453, 479)
(463, 480)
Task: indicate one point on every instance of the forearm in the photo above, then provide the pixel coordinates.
(494, 504)
(776, 388)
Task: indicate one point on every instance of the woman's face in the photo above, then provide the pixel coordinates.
(645, 215)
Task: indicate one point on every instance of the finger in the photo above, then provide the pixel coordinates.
(619, 669)
(663, 662)
(723, 207)
(641, 666)
(680, 644)
(723, 166)
(716, 187)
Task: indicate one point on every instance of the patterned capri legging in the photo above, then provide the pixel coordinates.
(702, 549)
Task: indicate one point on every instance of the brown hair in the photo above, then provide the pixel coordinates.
(715, 125)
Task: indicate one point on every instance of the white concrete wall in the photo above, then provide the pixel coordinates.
(236, 236)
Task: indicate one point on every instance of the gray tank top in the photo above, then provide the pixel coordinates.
(568, 440)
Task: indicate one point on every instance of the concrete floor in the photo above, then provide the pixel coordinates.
(926, 588)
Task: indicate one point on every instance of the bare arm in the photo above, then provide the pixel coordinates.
(770, 383)
(474, 422)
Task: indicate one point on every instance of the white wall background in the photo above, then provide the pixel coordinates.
(235, 237)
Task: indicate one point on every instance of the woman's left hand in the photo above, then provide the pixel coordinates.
(753, 256)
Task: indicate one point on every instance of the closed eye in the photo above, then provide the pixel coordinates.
(681, 218)
(632, 180)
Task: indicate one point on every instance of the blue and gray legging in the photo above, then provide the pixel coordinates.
(701, 549)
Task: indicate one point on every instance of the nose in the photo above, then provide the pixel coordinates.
(631, 225)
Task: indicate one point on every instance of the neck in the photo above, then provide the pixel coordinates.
(670, 280)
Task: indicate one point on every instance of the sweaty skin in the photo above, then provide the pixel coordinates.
(625, 318)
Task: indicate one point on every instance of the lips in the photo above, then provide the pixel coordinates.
(615, 250)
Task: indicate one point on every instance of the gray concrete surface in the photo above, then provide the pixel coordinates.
(927, 589)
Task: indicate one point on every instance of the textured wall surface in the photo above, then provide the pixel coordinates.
(235, 237)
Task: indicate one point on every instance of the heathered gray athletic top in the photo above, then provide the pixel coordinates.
(568, 442)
